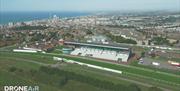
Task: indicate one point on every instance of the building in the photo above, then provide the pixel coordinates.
(100, 51)
(97, 39)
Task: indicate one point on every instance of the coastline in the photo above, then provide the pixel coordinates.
(14, 17)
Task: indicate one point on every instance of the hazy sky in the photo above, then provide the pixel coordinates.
(88, 5)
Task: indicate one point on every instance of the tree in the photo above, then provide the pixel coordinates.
(120, 39)
(142, 54)
(89, 32)
(160, 41)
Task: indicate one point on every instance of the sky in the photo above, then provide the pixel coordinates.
(88, 5)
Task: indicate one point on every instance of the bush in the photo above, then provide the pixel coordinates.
(154, 89)
(63, 81)
(30, 28)
(134, 87)
(12, 69)
(32, 72)
(66, 75)
(20, 70)
(142, 54)
(160, 41)
(120, 39)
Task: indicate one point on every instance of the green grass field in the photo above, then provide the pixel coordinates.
(26, 62)
(22, 76)
(143, 74)
(130, 69)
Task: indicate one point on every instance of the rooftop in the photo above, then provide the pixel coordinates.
(97, 45)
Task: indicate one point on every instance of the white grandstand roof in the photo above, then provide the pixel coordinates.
(97, 45)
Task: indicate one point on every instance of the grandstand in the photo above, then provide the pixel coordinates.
(107, 52)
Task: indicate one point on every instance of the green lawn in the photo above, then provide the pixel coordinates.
(78, 86)
(8, 59)
(58, 51)
(18, 78)
(8, 48)
(29, 56)
(99, 74)
(134, 70)
(22, 76)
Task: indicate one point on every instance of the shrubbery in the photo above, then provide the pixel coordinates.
(120, 39)
(66, 75)
(30, 28)
(59, 78)
(154, 89)
(12, 69)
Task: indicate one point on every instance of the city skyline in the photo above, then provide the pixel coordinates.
(89, 5)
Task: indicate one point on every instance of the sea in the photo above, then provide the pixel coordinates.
(6, 17)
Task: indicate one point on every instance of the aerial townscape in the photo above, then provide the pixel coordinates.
(97, 51)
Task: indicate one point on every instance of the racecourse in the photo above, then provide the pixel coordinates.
(145, 75)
